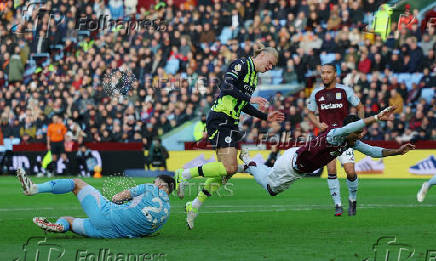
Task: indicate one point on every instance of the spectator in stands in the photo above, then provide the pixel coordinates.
(16, 67)
(158, 154)
(396, 100)
(289, 75)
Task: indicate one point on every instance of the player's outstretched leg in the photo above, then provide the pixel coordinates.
(208, 170)
(57, 186)
(192, 207)
(334, 187)
(424, 189)
(259, 172)
(60, 226)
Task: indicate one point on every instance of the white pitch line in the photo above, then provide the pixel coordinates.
(250, 208)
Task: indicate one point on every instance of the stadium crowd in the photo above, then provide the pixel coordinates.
(178, 64)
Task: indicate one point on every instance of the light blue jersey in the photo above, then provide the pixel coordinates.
(143, 215)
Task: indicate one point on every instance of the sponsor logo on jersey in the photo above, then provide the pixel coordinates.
(338, 96)
(331, 106)
(321, 99)
(228, 139)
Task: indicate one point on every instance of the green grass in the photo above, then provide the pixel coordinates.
(248, 225)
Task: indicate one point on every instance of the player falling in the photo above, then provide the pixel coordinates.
(239, 84)
(146, 211)
(332, 103)
(318, 152)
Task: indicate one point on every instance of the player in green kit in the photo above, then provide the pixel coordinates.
(239, 84)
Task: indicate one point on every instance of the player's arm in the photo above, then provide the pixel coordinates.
(252, 111)
(355, 102)
(361, 111)
(315, 120)
(272, 116)
(312, 107)
(378, 152)
(359, 125)
(121, 197)
(129, 194)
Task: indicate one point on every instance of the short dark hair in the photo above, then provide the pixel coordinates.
(330, 64)
(351, 118)
(170, 181)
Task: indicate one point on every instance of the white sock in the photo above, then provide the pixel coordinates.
(431, 182)
(260, 174)
(186, 174)
(196, 203)
(335, 190)
(352, 189)
(241, 168)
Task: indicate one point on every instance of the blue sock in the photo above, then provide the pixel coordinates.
(431, 182)
(57, 186)
(64, 222)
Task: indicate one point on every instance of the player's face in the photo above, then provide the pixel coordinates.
(267, 62)
(160, 184)
(328, 74)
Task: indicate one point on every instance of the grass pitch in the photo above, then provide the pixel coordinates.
(244, 223)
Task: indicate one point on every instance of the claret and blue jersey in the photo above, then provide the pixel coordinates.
(330, 144)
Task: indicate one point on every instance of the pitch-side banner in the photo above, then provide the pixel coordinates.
(415, 164)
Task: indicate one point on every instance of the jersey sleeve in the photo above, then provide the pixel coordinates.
(372, 151)
(252, 111)
(336, 136)
(141, 189)
(311, 105)
(352, 97)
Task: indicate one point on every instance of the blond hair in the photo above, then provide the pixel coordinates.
(259, 48)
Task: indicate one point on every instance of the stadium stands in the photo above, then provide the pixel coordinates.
(62, 74)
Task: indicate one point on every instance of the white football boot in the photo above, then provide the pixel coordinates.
(29, 188)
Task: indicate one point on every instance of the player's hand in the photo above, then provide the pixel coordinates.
(387, 114)
(405, 148)
(262, 102)
(276, 116)
(323, 126)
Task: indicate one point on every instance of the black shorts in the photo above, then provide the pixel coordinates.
(57, 147)
(223, 131)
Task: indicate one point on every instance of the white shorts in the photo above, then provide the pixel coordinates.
(347, 156)
(282, 174)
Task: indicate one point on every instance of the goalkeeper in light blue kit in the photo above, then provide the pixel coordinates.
(146, 211)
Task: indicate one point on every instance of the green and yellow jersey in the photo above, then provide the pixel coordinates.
(239, 84)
